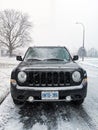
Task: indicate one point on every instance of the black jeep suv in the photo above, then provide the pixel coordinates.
(48, 74)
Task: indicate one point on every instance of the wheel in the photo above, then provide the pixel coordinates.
(78, 102)
(17, 102)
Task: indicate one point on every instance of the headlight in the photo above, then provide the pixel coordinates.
(22, 77)
(76, 76)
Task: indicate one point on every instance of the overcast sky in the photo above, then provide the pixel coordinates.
(54, 21)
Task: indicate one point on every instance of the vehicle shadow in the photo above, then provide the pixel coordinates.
(50, 113)
(44, 114)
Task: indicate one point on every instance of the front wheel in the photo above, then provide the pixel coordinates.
(17, 102)
(78, 102)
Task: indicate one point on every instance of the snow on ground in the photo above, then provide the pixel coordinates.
(6, 66)
(90, 65)
(89, 62)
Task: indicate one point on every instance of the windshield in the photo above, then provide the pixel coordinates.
(47, 53)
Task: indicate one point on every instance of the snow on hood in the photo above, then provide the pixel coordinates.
(48, 65)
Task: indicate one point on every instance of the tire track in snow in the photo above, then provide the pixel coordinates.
(74, 122)
(81, 113)
(77, 118)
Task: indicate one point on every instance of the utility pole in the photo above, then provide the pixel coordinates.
(83, 37)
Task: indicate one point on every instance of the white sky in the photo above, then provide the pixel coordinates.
(54, 21)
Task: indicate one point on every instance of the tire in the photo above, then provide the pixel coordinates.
(17, 102)
(78, 102)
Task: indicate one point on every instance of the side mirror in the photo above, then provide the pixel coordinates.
(19, 58)
(75, 57)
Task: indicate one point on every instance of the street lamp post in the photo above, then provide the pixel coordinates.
(83, 37)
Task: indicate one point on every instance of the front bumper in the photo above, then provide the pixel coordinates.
(23, 93)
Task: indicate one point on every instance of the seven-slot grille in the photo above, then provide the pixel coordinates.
(49, 79)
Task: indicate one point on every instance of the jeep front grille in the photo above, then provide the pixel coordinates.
(48, 79)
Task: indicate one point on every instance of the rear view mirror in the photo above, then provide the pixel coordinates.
(19, 58)
(75, 57)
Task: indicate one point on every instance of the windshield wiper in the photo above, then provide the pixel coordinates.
(33, 59)
(53, 59)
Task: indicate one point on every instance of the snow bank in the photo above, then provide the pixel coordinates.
(6, 66)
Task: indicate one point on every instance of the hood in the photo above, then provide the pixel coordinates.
(48, 65)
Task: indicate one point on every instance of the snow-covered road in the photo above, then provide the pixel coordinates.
(54, 116)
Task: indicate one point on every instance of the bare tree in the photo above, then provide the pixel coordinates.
(14, 29)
